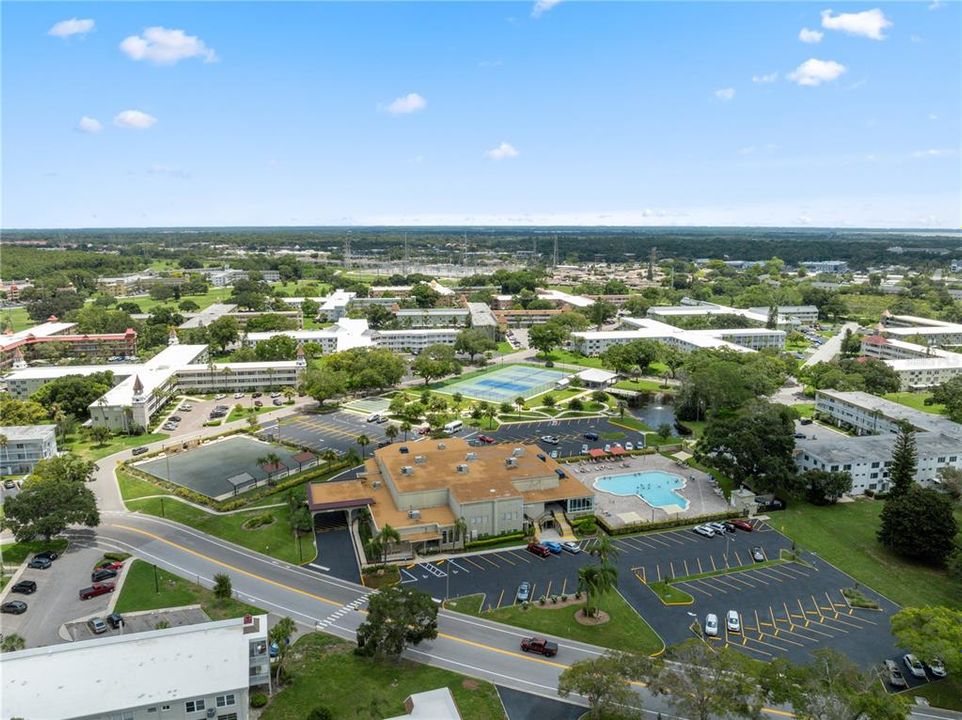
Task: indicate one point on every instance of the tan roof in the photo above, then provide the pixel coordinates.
(568, 487)
(345, 492)
(385, 512)
(440, 467)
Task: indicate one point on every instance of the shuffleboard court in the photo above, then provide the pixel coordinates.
(506, 383)
(226, 467)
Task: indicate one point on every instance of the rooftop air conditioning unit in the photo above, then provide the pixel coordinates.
(462, 468)
(511, 462)
(376, 484)
(471, 456)
(517, 452)
(407, 470)
(420, 459)
(441, 446)
(414, 514)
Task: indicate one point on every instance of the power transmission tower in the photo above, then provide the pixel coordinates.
(651, 263)
(347, 250)
(464, 250)
(555, 258)
(407, 257)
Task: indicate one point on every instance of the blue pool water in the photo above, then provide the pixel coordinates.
(655, 487)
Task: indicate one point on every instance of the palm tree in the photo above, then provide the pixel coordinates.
(621, 409)
(490, 412)
(594, 581)
(387, 537)
(605, 550)
(456, 401)
(460, 528)
(12, 643)
(363, 441)
(58, 416)
(272, 460)
(391, 432)
(405, 428)
(281, 634)
(252, 419)
(329, 456)
(3, 446)
(519, 401)
(289, 393)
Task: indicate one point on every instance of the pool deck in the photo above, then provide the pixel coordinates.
(618, 510)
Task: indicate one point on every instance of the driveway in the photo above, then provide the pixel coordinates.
(570, 434)
(56, 600)
(831, 347)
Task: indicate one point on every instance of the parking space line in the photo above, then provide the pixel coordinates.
(658, 568)
(738, 559)
(500, 597)
(488, 560)
(522, 558)
(734, 577)
(781, 573)
(769, 644)
(411, 577)
(764, 572)
(547, 593)
(754, 576)
(687, 573)
(671, 536)
(658, 540)
(691, 586)
(460, 567)
(533, 586)
(707, 584)
(638, 544)
(672, 566)
(725, 582)
(744, 644)
(685, 536)
(699, 566)
(479, 567)
(503, 556)
(564, 584)
(713, 566)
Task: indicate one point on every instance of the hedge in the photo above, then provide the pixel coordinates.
(675, 522)
(494, 540)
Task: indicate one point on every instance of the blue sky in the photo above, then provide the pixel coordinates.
(156, 114)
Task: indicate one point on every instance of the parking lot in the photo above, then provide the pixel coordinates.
(56, 600)
(786, 609)
(570, 434)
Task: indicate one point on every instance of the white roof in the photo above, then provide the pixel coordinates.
(597, 375)
(91, 678)
(19, 433)
(347, 332)
(559, 296)
(431, 705)
(56, 371)
(42, 330)
(153, 373)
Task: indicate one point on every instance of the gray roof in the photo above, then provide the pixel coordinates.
(19, 433)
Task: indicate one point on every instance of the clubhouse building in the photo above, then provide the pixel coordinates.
(424, 490)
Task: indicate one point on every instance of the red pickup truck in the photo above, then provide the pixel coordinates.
(539, 646)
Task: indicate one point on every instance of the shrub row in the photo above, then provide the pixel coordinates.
(674, 522)
(494, 540)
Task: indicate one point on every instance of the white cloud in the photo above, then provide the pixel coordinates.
(868, 23)
(168, 172)
(134, 119)
(810, 36)
(73, 26)
(767, 78)
(935, 153)
(936, 5)
(504, 151)
(747, 150)
(89, 125)
(406, 104)
(725, 94)
(163, 46)
(814, 72)
(933, 116)
(543, 6)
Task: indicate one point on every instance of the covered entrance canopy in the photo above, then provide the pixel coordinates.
(597, 453)
(344, 495)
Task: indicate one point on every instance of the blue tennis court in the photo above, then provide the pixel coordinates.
(506, 383)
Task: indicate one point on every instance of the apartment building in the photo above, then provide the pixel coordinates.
(27, 341)
(483, 319)
(349, 333)
(938, 333)
(595, 342)
(526, 318)
(423, 489)
(222, 277)
(190, 672)
(828, 267)
(414, 340)
(867, 456)
(26, 445)
(433, 317)
(793, 314)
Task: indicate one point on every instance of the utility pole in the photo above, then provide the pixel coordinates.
(651, 263)
(347, 250)
(407, 257)
(464, 250)
(555, 259)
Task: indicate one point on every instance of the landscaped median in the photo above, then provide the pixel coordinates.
(669, 594)
(625, 629)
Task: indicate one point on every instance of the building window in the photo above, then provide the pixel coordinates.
(228, 716)
(194, 705)
(225, 700)
(874, 464)
(152, 709)
(164, 708)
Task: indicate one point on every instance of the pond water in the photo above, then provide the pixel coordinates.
(654, 410)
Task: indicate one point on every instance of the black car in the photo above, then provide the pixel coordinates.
(15, 607)
(383, 443)
(102, 574)
(592, 435)
(257, 395)
(47, 555)
(25, 587)
(138, 451)
(39, 563)
(115, 620)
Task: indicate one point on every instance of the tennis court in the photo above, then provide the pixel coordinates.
(226, 467)
(506, 383)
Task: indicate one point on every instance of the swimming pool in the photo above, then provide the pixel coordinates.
(655, 487)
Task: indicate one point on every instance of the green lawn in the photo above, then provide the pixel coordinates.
(275, 539)
(626, 630)
(242, 414)
(643, 386)
(845, 536)
(90, 450)
(213, 295)
(16, 553)
(325, 672)
(916, 401)
(945, 693)
(18, 318)
(504, 348)
(132, 487)
(142, 592)
(570, 358)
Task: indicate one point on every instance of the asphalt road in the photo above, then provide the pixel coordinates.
(831, 347)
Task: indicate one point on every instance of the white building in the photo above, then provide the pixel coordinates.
(349, 333)
(25, 446)
(832, 267)
(595, 342)
(191, 672)
(758, 316)
(433, 317)
(414, 340)
(222, 277)
(932, 332)
(800, 314)
(868, 456)
(141, 389)
(430, 705)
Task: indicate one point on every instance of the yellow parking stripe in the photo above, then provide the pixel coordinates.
(699, 566)
(480, 567)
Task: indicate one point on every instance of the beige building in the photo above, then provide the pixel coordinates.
(423, 489)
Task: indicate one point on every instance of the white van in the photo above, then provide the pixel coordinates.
(453, 426)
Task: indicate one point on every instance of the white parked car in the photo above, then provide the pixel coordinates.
(711, 625)
(704, 530)
(571, 547)
(733, 622)
(219, 397)
(238, 395)
(584, 449)
(629, 447)
(914, 666)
